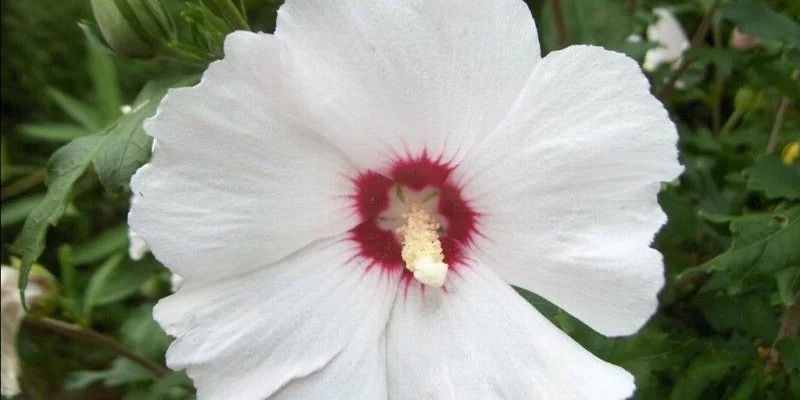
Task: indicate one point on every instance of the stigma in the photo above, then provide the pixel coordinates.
(422, 250)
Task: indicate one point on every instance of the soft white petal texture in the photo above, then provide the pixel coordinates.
(238, 180)
(308, 327)
(137, 247)
(390, 77)
(672, 41)
(567, 186)
(481, 340)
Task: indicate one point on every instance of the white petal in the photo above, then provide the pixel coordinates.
(137, 247)
(669, 35)
(175, 282)
(309, 326)
(567, 186)
(237, 179)
(480, 340)
(396, 77)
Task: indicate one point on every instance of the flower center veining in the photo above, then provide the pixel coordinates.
(413, 219)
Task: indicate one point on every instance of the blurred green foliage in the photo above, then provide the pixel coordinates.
(731, 244)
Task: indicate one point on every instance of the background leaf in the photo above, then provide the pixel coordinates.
(774, 178)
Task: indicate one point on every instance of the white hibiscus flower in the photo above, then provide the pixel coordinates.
(671, 39)
(300, 183)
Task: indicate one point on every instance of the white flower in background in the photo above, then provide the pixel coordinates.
(11, 315)
(320, 184)
(671, 39)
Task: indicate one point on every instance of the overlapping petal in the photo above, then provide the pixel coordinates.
(390, 77)
(309, 326)
(238, 179)
(567, 185)
(481, 340)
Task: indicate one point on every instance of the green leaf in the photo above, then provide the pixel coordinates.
(724, 59)
(126, 148)
(81, 113)
(762, 244)
(94, 37)
(98, 282)
(788, 282)
(116, 153)
(776, 180)
(127, 145)
(124, 281)
(65, 166)
(142, 334)
(122, 371)
(54, 133)
(171, 386)
(778, 78)
(748, 385)
(116, 279)
(106, 86)
(17, 210)
(704, 372)
(751, 314)
(758, 19)
(101, 246)
(789, 348)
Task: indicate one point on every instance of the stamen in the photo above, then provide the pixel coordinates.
(422, 250)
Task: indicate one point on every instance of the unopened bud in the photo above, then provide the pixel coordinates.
(748, 100)
(40, 294)
(742, 41)
(791, 153)
(134, 28)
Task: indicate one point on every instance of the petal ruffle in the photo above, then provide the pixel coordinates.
(310, 326)
(481, 340)
(238, 180)
(567, 186)
(396, 77)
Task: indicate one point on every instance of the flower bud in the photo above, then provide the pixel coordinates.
(40, 295)
(791, 153)
(742, 41)
(134, 28)
(747, 100)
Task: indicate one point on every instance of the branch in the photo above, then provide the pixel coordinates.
(772, 143)
(89, 335)
(561, 25)
(699, 35)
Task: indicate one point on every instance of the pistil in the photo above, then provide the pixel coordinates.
(422, 250)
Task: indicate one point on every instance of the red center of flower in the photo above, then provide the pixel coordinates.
(380, 200)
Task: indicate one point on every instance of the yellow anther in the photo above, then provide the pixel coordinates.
(791, 153)
(422, 250)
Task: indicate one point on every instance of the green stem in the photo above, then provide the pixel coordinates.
(732, 121)
(90, 335)
(232, 14)
(24, 184)
(182, 57)
(772, 143)
(719, 85)
(561, 25)
(789, 327)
